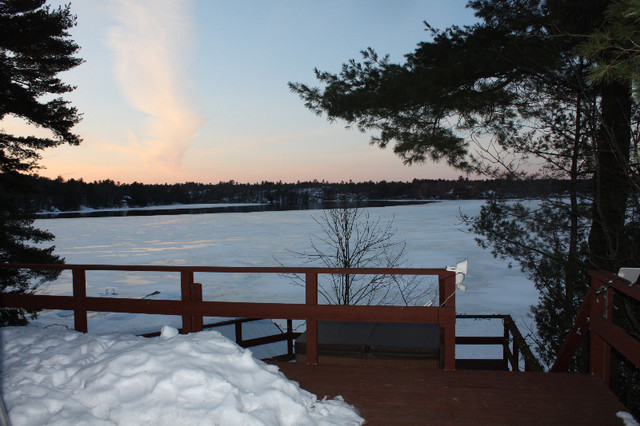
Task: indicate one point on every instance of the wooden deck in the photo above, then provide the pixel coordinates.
(388, 396)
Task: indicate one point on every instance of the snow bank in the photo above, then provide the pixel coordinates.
(627, 418)
(61, 377)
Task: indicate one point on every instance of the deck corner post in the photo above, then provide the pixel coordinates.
(80, 293)
(447, 319)
(311, 292)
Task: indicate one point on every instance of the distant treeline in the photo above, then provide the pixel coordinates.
(66, 195)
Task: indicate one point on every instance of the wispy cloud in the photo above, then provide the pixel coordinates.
(151, 43)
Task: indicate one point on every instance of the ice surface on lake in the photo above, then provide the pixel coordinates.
(434, 235)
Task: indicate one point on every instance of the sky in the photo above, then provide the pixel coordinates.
(197, 90)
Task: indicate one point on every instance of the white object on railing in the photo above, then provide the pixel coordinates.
(630, 274)
(461, 271)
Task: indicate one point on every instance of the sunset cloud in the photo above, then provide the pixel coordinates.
(151, 43)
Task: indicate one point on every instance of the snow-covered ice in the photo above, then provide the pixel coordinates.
(433, 233)
(54, 376)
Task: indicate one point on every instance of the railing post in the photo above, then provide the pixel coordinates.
(505, 346)
(80, 293)
(290, 338)
(311, 290)
(516, 357)
(197, 322)
(447, 319)
(600, 351)
(511, 330)
(238, 330)
(186, 287)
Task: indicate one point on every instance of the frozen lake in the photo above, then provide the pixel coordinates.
(434, 235)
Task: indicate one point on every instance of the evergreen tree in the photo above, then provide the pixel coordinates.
(34, 48)
(507, 92)
(615, 46)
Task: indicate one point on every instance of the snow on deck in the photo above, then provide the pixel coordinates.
(55, 376)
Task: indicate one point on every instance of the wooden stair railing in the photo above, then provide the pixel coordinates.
(595, 318)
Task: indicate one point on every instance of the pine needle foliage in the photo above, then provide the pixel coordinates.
(35, 46)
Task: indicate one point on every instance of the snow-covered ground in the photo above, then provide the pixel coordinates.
(55, 376)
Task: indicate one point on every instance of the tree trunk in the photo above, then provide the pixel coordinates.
(612, 178)
(572, 277)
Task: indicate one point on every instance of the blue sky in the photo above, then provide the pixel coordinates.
(175, 91)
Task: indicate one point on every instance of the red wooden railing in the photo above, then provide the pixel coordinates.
(288, 335)
(192, 308)
(595, 318)
(514, 347)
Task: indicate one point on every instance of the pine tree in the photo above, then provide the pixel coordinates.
(512, 90)
(615, 46)
(34, 48)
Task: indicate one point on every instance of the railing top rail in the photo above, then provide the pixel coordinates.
(618, 283)
(483, 316)
(440, 272)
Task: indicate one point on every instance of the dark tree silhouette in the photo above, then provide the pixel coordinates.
(34, 48)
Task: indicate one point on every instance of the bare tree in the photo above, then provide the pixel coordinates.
(349, 238)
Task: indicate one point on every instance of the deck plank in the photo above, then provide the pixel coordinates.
(389, 396)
